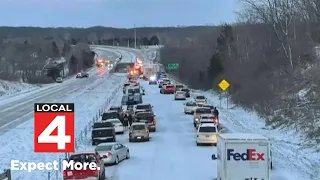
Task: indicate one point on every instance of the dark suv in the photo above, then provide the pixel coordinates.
(103, 132)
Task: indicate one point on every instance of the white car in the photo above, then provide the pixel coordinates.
(200, 99)
(118, 126)
(190, 107)
(180, 95)
(59, 80)
(207, 134)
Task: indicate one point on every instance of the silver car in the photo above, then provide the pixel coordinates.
(139, 131)
(113, 153)
(180, 95)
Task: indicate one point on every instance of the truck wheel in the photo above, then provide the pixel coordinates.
(130, 140)
(198, 144)
(194, 124)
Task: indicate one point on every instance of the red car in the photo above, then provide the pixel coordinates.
(85, 157)
(168, 89)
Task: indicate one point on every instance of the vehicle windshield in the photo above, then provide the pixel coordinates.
(138, 127)
(203, 110)
(114, 109)
(115, 121)
(180, 92)
(147, 106)
(102, 124)
(169, 86)
(179, 86)
(110, 115)
(191, 104)
(104, 148)
(136, 90)
(206, 117)
(185, 90)
(200, 97)
(144, 116)
(208, 129)
(211, 107)
(83, 158)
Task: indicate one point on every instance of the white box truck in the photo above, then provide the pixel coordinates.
(243, 156)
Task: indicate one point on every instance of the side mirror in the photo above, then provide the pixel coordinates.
(214, 157)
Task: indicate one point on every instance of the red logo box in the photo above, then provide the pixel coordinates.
(53, 127)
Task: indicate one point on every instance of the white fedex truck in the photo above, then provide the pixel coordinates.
(243, 156)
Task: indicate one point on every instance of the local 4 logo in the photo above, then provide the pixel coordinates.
(54, 127)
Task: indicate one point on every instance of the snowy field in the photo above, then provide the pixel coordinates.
(11, 88)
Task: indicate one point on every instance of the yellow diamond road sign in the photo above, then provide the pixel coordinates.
(224, 85)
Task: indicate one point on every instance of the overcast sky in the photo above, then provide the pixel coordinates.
(115, 13)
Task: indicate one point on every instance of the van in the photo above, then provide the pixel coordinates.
(249, 151)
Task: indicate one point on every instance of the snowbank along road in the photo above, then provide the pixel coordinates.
(87, 94)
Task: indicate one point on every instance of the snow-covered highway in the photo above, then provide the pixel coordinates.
(170, 154)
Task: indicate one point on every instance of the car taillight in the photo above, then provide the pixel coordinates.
(64, 173)
(109, 154)
(154, 122)
(96, 172)
(67, 173)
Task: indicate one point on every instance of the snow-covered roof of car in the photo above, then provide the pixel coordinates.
(200, 107)
(145, 104)
(113, 119)
(83, 152)
(138, 123)
(107, 143)
(111, 111)
(206, 115)
(208, 125)
(243, 136)
(180, 92)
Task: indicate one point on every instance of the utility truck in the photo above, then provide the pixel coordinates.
(243, 156)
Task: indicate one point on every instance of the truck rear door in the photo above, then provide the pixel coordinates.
(247, 160)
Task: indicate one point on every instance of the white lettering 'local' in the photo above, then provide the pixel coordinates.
(54, 108)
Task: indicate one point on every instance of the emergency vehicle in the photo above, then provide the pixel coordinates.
(102, 62)
(249, 151)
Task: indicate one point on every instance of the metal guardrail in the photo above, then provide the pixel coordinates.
(6, 175)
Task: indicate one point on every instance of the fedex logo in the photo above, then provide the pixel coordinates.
(250, 155)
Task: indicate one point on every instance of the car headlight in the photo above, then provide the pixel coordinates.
(152, 78)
